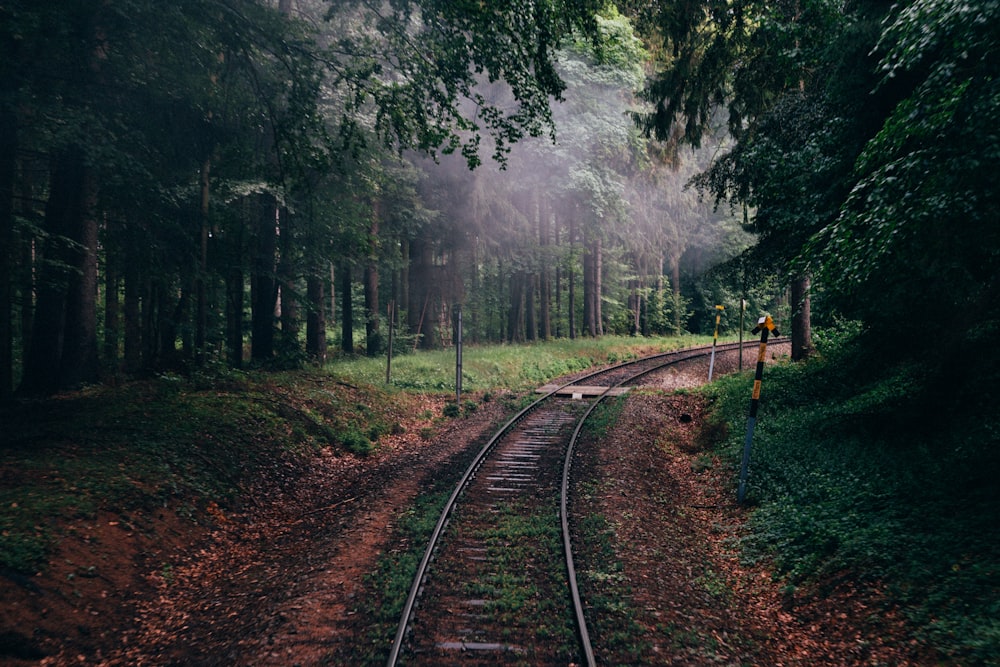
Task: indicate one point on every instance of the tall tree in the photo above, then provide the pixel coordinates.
(751, 57)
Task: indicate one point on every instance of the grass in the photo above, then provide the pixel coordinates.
(851, 480)
(504, 367)
(524, 543)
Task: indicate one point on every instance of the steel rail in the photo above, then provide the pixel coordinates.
(581, 622)
(406, 615)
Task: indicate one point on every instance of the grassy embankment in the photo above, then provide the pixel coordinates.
(866, 473)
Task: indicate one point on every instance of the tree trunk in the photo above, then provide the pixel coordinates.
(403, 295)
(332, 320)
(424, 299)
(590, 312)
(201, 290)
(80, 359)
(112, 308)
(263, 286)
(373, 337)
(801, 326)
(8, 172)
(544, 276)
(150, 322)
(26, 281)
(598, 286)
(288, 271)
(133, 318)
(316, 319)
(530, 311)
(346, 311)
(675, 284)
(234, 315)
(63, 349)
(515, 314)
(558, 282)
(571, 280)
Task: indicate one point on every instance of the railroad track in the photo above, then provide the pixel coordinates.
(503, 587)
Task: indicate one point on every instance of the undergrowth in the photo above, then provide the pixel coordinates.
(171, 442)
(879, 474)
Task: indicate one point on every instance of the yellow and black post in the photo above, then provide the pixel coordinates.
(765, 326)
(715, 338)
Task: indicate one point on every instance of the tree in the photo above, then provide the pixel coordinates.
(751, 58)
(917, 235)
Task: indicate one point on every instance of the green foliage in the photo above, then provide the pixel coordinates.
(917, 233)
(854, 473)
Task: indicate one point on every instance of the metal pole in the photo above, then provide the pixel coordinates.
(715, 339)
(458, 355)
(764, 326)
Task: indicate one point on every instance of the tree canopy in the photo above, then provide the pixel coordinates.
(861, 135)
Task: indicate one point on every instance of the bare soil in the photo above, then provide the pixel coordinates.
(277, 582)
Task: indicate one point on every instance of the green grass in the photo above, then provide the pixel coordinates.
(504, 367)
(857, 474)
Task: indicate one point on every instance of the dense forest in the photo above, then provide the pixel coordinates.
(243, 181)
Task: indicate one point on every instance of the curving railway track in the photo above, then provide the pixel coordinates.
(497, 581)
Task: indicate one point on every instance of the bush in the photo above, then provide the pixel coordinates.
(850, 476)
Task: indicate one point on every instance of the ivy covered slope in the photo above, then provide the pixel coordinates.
(879, 477)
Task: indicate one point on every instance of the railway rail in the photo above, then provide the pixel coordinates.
(503, 579)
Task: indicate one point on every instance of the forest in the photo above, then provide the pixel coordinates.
(209, 193)
(235, 182)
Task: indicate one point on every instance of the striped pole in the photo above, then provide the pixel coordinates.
(715, 338)
(765, 326)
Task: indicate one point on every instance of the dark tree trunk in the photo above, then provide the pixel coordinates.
(346, 311)
(316, 318)
(675, 284)
(201, 288)
(598, 287)
(291, 323)
(571, 279)
(332, 319)
(515, 313)
(173, 325)
(801, 325)
(544, 278)
(112, 307)
(63, 349)
(263, 286)
(589, 290)
(424, 299)
(26, 287)
(133, 318)
(530, 313)
(403, 294)
(150, 323)
(80, 364)
(234, 315)
(8, 171)
(373, 337)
